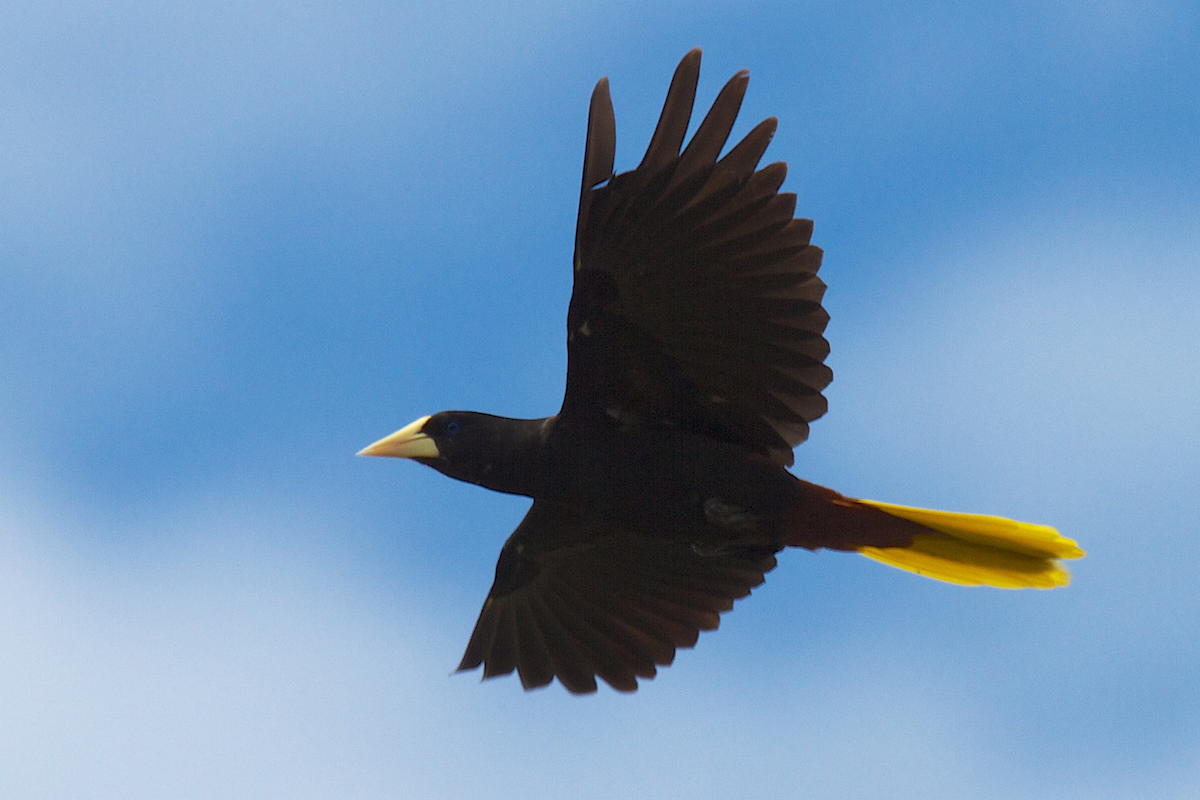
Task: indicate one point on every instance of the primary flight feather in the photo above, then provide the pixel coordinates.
(695, 365)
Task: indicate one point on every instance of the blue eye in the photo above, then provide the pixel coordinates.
(451, 428)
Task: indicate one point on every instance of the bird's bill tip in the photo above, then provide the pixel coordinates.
(408, 442)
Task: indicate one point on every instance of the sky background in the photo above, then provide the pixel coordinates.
(240, 241)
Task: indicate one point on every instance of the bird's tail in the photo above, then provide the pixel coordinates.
(976, 549)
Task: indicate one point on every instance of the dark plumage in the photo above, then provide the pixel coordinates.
(695, 365)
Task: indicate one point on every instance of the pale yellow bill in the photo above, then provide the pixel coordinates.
(408, 442)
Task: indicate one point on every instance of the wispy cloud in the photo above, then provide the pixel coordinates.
(234, 239)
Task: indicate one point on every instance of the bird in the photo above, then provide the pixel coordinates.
(695, 364)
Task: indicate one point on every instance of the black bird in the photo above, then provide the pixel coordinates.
(695, 365)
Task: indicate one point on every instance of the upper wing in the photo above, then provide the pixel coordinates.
(696, 302)
(576, 599)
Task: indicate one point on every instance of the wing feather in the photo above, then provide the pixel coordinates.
(676, 114)
(710, 137)
(534, 664)
(696, 297)
(576, 599)
(570, 665)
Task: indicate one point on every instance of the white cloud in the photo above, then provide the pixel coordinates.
(230, 649)
(1067, 332)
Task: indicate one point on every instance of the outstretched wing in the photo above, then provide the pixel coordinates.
(696, 302)
(576, 599)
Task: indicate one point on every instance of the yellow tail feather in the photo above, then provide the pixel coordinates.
(976, 549)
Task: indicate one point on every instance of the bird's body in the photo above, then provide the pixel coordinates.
(682, 486)
(695, 364)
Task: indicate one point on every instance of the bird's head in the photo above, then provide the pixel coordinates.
(473, 447)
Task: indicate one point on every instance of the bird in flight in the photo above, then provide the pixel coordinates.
(695, 363)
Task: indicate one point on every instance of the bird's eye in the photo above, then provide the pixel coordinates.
(451, 428)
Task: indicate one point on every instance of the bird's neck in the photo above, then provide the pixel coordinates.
(511, 462)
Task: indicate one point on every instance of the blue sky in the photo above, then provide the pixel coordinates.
(240, 241)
